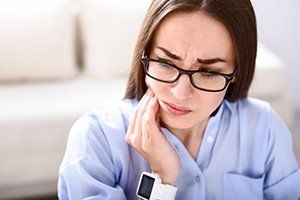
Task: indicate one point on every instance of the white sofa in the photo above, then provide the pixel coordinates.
(61, 58)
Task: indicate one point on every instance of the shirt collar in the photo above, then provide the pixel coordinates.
(229, 105)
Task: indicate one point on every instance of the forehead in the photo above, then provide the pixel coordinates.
(194, 33)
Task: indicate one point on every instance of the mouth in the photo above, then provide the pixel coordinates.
(177, 110)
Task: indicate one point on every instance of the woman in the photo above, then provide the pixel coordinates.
(197, 56)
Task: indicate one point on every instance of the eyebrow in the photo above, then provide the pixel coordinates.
(202, 61)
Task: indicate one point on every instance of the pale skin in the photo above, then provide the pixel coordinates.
(189, 36)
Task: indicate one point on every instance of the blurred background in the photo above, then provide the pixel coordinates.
(62, 58)
(279, 30)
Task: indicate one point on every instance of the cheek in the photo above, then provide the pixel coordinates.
(208, 102)
(156, 86)
(216, 98)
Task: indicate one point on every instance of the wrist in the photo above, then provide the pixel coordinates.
(168, 178)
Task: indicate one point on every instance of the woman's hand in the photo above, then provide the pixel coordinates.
(145, 136)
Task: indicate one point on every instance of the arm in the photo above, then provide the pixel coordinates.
(282, 172)
(145, 135)
(87, 170)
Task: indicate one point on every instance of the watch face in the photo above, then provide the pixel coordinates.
(146, 186)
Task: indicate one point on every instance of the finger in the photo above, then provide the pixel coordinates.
(145, 137)
(157, 118)
(148, 92)
(151, 121)
(137, 134)
(145, 131)
(131, 125)
(130, 128)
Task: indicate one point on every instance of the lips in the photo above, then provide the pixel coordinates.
(180, 108)
(176, 110)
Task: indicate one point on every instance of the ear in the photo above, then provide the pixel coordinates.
(233, 79)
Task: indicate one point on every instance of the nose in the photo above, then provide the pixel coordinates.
(182, 88)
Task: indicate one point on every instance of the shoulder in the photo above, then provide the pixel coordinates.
(99, 129)
(107, 117)
(251, 111)
(258, 120)
(258, 110)
(252, 105)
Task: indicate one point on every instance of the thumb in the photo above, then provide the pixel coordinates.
(154, 125)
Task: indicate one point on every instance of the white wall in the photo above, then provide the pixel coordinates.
(279, 29)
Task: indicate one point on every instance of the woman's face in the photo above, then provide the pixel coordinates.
(190, 36)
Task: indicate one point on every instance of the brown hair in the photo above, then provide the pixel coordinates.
(238, 17)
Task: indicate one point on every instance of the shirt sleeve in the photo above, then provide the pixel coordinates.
(87, 170)
(282, 179)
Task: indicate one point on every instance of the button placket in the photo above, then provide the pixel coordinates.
(197, 178)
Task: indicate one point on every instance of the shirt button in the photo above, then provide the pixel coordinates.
(197, 178)
(210, 139)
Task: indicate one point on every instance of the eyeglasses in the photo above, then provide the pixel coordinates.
(205, 80)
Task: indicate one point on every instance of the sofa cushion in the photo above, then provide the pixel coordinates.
(269, 78)
(57, 98)
(109, 32)
(35, 120)
(37, 40)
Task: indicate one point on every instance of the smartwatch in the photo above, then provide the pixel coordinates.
(151, 187)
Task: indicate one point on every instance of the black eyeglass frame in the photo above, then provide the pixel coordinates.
(145, 60)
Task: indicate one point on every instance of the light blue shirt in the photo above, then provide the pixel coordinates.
(246, 153)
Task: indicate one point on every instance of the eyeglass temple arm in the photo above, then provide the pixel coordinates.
(143, 54)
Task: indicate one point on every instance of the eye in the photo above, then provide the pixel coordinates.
(208, 75)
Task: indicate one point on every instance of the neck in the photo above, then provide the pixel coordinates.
(189, 135)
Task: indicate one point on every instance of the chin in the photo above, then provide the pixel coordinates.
(174, 121)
